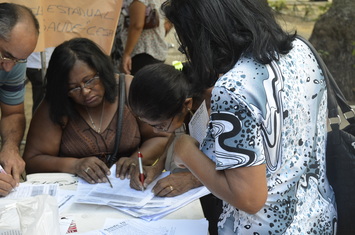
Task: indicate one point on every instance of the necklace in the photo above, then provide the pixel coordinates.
(98, 130)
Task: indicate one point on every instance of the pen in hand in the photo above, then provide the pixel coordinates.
(141, 173)
(108, 180)
(2, 171)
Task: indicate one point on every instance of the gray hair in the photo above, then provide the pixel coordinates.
(10, 15)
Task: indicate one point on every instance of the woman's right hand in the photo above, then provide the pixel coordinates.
(150, 173)
(92, 169)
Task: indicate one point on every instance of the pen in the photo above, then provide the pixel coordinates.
(4, 172)
(109, 181)
(141, 174)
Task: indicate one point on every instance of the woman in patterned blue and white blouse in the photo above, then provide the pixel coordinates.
(264, 151)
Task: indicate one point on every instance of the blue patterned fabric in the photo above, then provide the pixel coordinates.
(275, 115)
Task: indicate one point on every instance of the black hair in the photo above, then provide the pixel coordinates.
(214, 34)
(61, 63)
(158, 92)
(10, 15)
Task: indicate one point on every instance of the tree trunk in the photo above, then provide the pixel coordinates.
(334, 38)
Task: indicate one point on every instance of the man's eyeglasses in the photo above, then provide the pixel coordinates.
(12, 60)
(161, 127)
(87, 85)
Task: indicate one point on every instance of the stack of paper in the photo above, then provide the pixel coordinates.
(142, 204)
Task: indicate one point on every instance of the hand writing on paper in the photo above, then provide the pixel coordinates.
(7, 183)
(12, 163)
(92, 169)
(150, 173)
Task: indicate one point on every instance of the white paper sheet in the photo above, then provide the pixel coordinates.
(120, 195)
(28, 190)
(198, 123)
(160, 227)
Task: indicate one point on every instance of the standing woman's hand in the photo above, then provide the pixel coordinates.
(126, 63)
(136, 23)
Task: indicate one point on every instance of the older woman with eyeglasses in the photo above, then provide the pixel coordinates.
(74, 128)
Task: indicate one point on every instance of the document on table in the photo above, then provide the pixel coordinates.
(120, 195)
(161, 209)
(160, 227)
(136, 203)
(28, 190)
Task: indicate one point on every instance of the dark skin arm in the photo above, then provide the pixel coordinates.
(42, 149)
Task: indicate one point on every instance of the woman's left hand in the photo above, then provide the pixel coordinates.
(125, 167)
(176, 184)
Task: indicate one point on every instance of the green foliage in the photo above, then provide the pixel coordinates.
(323, 53)
(308, 10)
(277, 5)
(325, 8)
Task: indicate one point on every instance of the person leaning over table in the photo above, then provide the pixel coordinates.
(74, 128)
(19, 30)
(264, 152)
(161, 96)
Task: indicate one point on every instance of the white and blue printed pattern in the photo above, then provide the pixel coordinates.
(275, 115)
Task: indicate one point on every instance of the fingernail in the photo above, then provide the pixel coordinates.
(108, 173)
(99, 180)
(104, 180)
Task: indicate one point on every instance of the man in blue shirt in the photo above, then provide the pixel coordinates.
(19, 31)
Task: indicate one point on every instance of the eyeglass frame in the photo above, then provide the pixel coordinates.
(13, 60)
(89, 84)
(158, 127)
(182, 47)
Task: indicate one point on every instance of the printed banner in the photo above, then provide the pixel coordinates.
(61, 20)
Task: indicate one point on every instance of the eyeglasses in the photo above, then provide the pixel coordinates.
(182, 47)
(160, 127)
(87, 85)
(12, 60)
